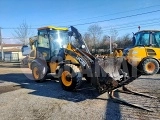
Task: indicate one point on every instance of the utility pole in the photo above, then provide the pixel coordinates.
(1, 43)
(110, 43)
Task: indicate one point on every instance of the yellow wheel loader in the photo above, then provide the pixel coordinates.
(56, 52)
(145, 52)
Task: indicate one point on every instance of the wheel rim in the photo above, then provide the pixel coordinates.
(35, 73)
(66, 78)
(150, 67)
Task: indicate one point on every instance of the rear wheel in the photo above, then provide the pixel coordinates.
(150, 66)
(70, 77)
(38, 74)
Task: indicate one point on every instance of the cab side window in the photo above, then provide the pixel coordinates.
(43, 40)
(156, 39)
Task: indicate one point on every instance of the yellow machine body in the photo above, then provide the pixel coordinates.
(145, 53)
(137, 54)
(52, 65)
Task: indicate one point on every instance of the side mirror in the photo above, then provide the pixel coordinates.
(25, 50)
(23, 47)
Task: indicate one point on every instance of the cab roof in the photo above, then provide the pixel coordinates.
(53, 28)
(148, 31)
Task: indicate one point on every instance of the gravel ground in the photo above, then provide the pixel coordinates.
(22, 98)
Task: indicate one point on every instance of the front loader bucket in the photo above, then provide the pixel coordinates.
(111, 66)
(119, 66)
(106, 74)
(112, 73)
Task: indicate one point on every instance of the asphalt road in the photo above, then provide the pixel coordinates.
(22, 98)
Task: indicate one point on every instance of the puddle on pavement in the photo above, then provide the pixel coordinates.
(8, 88)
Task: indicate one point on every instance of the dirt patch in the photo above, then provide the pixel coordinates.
(10, 65)
(8, 88)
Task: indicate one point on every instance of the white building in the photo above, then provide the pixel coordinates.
(11, 52)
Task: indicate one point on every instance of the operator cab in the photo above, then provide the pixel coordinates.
(144, 38)
(50, 41)
(147, 38)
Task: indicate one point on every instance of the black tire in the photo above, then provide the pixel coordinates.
(70, 77)
(150, 66)
(37, 72)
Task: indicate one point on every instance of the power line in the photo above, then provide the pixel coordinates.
(119, 12)
(142, 25)
(119, 29)
(136, 24)
(151, 23)
(106, 15)
(11, 38)
(104, 20)
(117, 18)
(15, 28)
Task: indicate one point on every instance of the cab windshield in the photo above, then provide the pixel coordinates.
(147, 39)
(58, 39)
(141, 39)
(52, 40)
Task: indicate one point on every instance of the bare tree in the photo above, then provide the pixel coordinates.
(88, 40)
(22, 33)
(105, 39)
(113, 34)
(95, 32)
(104, 43)
(124, 41)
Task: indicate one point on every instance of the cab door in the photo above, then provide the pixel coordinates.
(43, 45)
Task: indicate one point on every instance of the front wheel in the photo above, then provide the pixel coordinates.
(70, 77)
(150, 66)
(38, 73)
